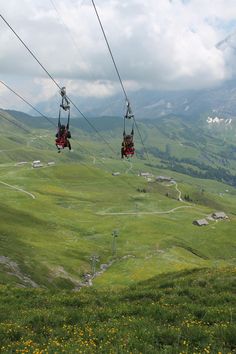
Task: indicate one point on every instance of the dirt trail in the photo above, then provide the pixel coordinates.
(179, 191)
(146, 212)
(19, 189)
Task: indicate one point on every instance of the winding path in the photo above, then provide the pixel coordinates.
(174, 183)
(146, 212)
(152, 212)
(155, 212)
(19, 189)
(180, 194)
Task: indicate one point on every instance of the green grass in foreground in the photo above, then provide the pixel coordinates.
(186, 312)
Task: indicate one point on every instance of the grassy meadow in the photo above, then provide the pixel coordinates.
(191, 311)
(75, 211)
(163, 285)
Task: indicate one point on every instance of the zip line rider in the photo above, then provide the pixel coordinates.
(127, 148)
(63, 134)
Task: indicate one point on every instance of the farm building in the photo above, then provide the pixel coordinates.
(201, 222)
(219, 215)
(164, 179)
(210, 218)
(145, 174)
(36, 164)
(115, 173)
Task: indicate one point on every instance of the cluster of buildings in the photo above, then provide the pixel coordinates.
(164, 179)
(158, 178)
(38, 163)
(150, 177)
(218, 215)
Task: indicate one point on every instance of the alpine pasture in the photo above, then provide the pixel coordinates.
(92, 262)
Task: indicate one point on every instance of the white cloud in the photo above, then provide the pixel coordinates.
(92, 88)
(156, 44)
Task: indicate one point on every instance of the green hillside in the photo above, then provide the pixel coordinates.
(183, 312)
(174, 143)
(58, 217)
(92, 262)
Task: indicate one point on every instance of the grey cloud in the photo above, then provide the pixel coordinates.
(156, 44)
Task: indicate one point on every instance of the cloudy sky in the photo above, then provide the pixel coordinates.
(157, 44)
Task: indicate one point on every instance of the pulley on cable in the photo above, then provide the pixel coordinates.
(63, 134)
(127, 149)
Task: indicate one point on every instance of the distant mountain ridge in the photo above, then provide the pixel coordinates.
(153, 104)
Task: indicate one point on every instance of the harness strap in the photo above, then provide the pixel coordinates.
(68, 120)
(128, 115)
(59, 118)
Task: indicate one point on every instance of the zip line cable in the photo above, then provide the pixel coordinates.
(109, 48)
(42, 115)
(76, 47)
(55, 82)
(81, 146)
(118, 74)
(8, 24)
(27, 131)
(51, 77)
(92, 126)
(29, 104)
(64, 24)
(16, 124)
